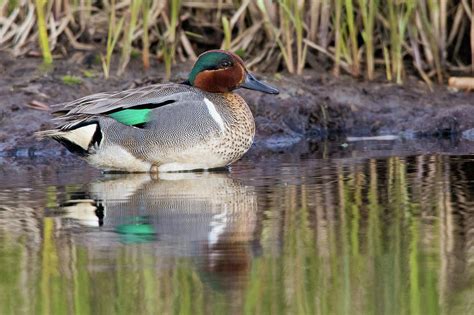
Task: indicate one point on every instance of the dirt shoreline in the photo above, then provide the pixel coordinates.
(312, 107)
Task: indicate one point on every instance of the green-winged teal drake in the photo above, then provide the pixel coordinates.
(198, 124)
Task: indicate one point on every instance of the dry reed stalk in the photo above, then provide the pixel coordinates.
(240, 12)
(268, 22)
(386, 58)
(315, 7)
(443, 29)
(337, 37)
(23, 31)
(325, 23)
(187, 46)
(460, 35)
(74, 43)
(457, 21)
(243, 41)
(207, 5)
(417, 62)
(145, 38)
(472, 36)
(326, 53)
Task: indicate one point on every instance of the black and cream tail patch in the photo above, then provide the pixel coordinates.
(78, 138)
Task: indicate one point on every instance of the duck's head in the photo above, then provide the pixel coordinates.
(220, 71)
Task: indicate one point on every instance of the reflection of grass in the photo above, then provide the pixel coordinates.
(81, 283)
(372, 265)
(11, 252)
(356, 240)
(52, 282)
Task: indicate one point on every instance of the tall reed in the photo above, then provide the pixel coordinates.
(42, 31)
(146, 4)
(114, 30)
(368, 9)
(227, 33)
(338, 37)
(129, 34)
(169, 45)
(399, 14)
(353, 37)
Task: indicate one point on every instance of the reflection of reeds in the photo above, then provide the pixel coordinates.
(378, 237)
(356, 35)
(380, 260)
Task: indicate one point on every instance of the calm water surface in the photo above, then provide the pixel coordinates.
(389, 235)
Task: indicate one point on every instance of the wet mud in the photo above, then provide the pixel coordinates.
(311, 109)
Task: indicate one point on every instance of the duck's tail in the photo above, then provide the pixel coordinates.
(78, 138)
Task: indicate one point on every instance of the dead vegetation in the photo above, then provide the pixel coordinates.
(434, 37)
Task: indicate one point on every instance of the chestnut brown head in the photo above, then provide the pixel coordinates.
(220, 71)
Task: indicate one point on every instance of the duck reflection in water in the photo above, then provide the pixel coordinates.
(209, 217)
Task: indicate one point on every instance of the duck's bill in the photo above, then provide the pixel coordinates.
(252, 83)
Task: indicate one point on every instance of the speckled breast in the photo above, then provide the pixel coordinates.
(239, 128)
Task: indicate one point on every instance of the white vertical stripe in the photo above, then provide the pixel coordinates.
(218, 226)
(215, 115)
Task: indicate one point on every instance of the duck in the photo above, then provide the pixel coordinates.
(198, 124)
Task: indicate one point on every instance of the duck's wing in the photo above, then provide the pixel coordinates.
(122, 104)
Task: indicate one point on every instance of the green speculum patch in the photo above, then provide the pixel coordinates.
(131, 117)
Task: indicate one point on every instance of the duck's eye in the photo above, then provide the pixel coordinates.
(226, 64)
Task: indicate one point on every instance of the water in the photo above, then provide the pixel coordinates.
(284, 235)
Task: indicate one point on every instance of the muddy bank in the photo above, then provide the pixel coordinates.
(313, 107)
